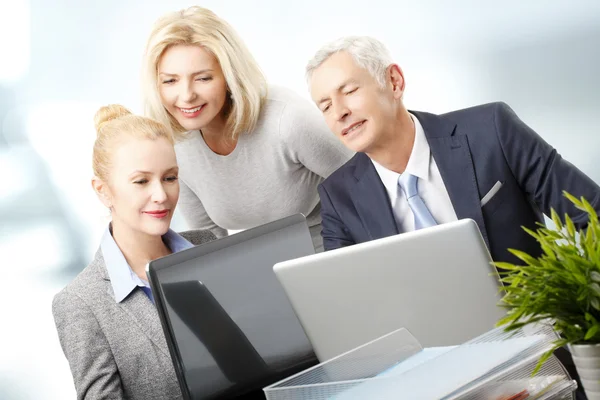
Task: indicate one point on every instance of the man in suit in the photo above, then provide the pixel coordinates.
(416, 169)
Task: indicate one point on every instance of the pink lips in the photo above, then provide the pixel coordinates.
(157, 214)
(345, 131)
(191, 115)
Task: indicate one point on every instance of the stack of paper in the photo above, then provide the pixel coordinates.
(495, 366)
(435, 373)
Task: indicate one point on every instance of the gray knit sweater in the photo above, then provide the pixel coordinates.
(272, 173)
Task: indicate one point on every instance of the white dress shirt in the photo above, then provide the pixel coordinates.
(430, 185)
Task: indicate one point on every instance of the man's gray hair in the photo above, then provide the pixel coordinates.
(367, 52)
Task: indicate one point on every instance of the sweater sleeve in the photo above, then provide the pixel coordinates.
(309, 140)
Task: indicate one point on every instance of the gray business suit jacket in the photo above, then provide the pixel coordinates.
(115, 350)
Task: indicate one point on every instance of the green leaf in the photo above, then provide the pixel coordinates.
(593, 216)
(590, 318)
(542, 360)
(570, 227)
(574, 200)
(548, 250)
(507, 320)
(591, 332)
(505, 265)
(556, 219)
(589, 246)
(595, 288)
(562, 283)
(529, 260)
(532, 233)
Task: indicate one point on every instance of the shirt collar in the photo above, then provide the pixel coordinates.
(418, 162)
(387, 176)
(175, 242)
(122, 277)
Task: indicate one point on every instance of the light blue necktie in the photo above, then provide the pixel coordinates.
(423, 218)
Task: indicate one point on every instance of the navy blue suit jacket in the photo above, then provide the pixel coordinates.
(473, 148)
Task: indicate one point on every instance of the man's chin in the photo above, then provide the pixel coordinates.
(356, 146)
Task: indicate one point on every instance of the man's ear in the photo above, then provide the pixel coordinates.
(102, 191)
(396, 78)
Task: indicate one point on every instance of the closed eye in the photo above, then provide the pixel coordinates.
(167, 81)
(171, 178)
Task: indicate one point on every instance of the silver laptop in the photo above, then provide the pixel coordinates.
(437, 282)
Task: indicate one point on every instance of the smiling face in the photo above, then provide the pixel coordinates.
(357, 109)
(142, 189)
(192, 86)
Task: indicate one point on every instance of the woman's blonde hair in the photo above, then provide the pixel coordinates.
(113, 123)
(247, 86)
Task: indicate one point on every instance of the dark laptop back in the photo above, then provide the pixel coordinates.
(227, 320)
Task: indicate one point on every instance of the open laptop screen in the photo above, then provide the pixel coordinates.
(228, 322)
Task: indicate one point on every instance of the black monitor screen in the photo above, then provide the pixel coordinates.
(228, 322)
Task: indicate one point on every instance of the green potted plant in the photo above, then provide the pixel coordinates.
(561, 286)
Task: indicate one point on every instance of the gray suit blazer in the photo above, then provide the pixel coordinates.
(115, 350)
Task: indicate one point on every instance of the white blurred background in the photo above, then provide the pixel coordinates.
(61, 60)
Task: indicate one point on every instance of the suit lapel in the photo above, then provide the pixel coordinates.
(139, 309)
(453, 158)
(371, 200)
(143, 313)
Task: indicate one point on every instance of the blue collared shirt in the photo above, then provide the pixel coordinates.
(122, 277)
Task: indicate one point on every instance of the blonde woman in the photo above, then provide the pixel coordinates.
(108, 327)
(248, 153)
